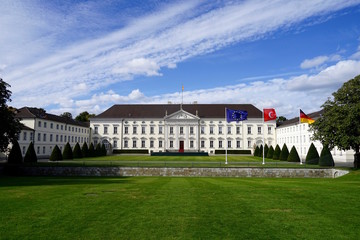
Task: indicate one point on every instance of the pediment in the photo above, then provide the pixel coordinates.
(181, 115)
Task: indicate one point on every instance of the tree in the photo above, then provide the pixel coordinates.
(339, 125)
(56, 154)
(281, 119)
(66, 115)
(92, 150)
(103, 150)
(312, 157)
(84, 117)
(15, 155)
(284, 153)
(270, 153)
(98, 150)
(67, 153)
(261, 151)
(30, 155)
(293, 156)
(85, 150)
(276, 155)
(10, 127)
(266, 150)
(326, 159)
(77, 151)
(256, 152)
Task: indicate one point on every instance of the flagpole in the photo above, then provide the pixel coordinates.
(226, 162)
(263, 137)
(300, 139)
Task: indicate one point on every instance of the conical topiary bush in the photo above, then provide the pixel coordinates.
(67, 153)
(98, 150)
(270, 152)
(77, 151)
(56, 154)
(284, 153)
(15, 155)
(103, 150)
(326, 159)
(91, 150)
(266, 150)
(261, 151)
(85, 150)
(256, 152)
(30, 155)
(293, 155)
(312, 156)
(277, 151)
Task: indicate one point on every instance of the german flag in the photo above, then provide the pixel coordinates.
(305, 118)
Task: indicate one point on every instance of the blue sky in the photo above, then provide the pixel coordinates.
(74, 56)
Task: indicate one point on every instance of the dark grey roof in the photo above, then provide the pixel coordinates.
(159, 110)
(28, 112)
(292, 121)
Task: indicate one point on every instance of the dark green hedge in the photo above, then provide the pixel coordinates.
(56, 154)
(247, 152)
(284, 153)
(130, 151)
(15, 155)
(30, 155)
(270, 153)
(312, 157)
(276, 155)
(293, 156)
(67, 153)
(326, 159)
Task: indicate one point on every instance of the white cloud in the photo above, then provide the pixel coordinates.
(139, 66)
(317, 61)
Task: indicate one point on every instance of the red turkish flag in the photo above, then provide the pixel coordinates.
(269, 114)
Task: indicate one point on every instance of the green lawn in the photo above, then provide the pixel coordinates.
(179, 208)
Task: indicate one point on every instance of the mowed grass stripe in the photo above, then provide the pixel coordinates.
(179, 208)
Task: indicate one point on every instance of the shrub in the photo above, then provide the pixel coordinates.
(56, 154)
(103, 150)
(85, 150)
(91, 150)
(77, 151)
(293, 156)
(256, 152)
(270, 152)
(261, 151)
(266, 150)
(326, 159)
(284, 153)
(220, 151)
(30, 155)
(67, 153)
(98, 150)
(15, 155)
(312, 156)
(276, 155)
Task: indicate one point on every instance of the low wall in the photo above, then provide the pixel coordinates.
(177, 172)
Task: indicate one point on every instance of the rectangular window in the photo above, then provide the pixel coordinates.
(51, 125)
(171, 130)
(51, 137)
(249, 144)
(105, 130)
(211, 130)
(249, 130)
(96, 129)
(229, 130)
(45, 124)
(126, 130)
(39, 137)
(269, 130)
(238, 130)
(72, 129)
(61, 138)
(202, 144)
(143, 130)
(220, 130)
(115, 143)
(202, 130)
(25, 136)
(62, 127)
(57, 138)
(31, 136)
(151, 143)
(160, 144)
(160, 130)
(126, 144)
(65, 138)
(143, 143)
(39, 124)
(72, 138)
(38, 150)
(134, 130)
(44, 137)
(220, 144)
(171, 144)
(23, 150)
(151, 130)
(134, 143)
(181, 130)
(191, 130)
(238, 144)
(211, 144)
(44, 148)
(57, 126)
(115, 130)
(259, 130)
(229, 144)
(191, 144)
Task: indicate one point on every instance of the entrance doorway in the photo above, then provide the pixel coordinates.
(181, 148)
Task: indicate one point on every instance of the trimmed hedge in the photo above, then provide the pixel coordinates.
(266, 150)
(293, 156)
(312, 156)
(30, 155)
(56, 154)
(220, 151)
(98, 150)
(91, 150)
(270, 152)
(77, 151)
(85, 150)
(67, 153)
(260, 151)
(103, 150)
(277, 152)
(130, 151)
(256, 152)
(326, 159)
(284, 153)
(15, 155)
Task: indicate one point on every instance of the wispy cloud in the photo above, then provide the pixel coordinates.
(142, 46)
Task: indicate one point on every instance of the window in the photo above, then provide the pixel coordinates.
(238, 130)
(115, 130)
(25, 136)
(171, 144)
(151, 143)
(39, 124)
(229, 130)
(57, 138)
(191, 130)
(151, 130)
(126, 130)
(134, 130)
(44, 148)
(45, 124)
(220, 144)
(65, 138)
(143, 143)
(191, 144)
(269, 130)
(115, 143)
(126, 144)
(160, 130)
(76, 139)
(51, 125)
(259, 130)
(62, 127)
(23, 150)
(61, 138)
(72, 129)
(143, 130)
(57, 126)
(211, 144)
(202, 130)
(65, 128)
(44, 137)
(229, 144)
(39, 137)
(238, 144)
(171, 130)
(134, 143)
(181, 130)
(220, 130)
(160, 144)
(249, 144)
(202, 144)
(31, 136)
(51, 137)
(211, 130)
(96, 129)
(105, 130)
(38, 150)
(249, 130)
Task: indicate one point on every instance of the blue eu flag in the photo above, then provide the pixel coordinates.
(236, 115)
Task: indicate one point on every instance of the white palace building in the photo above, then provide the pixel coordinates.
(180, 128)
